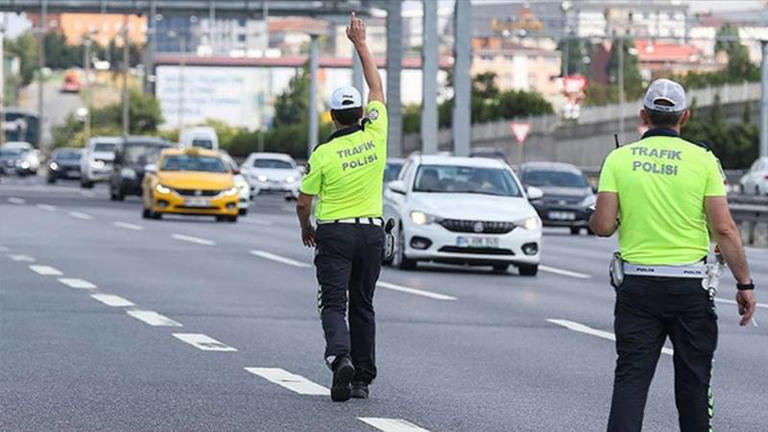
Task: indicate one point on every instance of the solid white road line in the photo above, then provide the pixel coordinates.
(581, 328)
(562, 272)
(293, 382)
(733, 302)
(112, 300)
(391, 425)
(80, 215)
(46, 207)
(203, 342)
(45, 270)
(127, 225)
(195, 240)
(280, 259)
(423, 293)
(77, 283)
(22, 258)
(16, 200)
(153, 318)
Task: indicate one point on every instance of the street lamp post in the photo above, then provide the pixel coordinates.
(764, 100)
(40, 67)
(313, 139)
(87, 85)
(125, 96)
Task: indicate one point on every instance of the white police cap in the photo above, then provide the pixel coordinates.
(665, 95)
(346, 97)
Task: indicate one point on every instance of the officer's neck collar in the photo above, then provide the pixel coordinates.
(661, 132)
(345, 131)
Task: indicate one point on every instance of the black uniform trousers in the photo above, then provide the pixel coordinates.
(648, 309)
(348, 261)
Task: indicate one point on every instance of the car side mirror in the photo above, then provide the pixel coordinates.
(235, 171)
(150, 168)
(397, 186)
(534, 193)
(594, 189)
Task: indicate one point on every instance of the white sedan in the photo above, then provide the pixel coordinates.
(755, 181)
(272, 172)
(463, 211)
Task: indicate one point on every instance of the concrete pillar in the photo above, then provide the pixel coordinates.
(149, 54)
(357, 72)
(313, 140)
(429, 58)
(764, 101)
(394, 65)
(462, 81)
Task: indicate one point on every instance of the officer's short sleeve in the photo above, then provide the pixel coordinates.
(310, 184)
(715, 179)
(376, 118)
(607, 175)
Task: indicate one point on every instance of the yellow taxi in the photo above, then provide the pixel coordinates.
(190, 181)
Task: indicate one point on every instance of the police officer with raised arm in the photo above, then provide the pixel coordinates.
(346, 175)
(664, 196)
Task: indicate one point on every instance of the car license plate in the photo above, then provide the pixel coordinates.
(73, 173)
(564, 216)
(477, 242)
(197, 202)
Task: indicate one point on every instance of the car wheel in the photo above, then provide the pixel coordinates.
(400, 260)
(528, 269)
(50, 180)
(232, 219)
(575, 230)
(500, 268)
(590, 232)
(156, 215)
(243, 212)
(220, 218)
(146, 213)
(119, 195)
(85, 184)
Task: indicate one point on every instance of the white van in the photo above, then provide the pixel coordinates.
(199, 136)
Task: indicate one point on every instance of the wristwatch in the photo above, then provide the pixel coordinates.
(745, 287)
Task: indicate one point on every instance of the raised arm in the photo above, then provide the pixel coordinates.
(356, 34)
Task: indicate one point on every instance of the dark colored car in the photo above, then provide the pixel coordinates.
(10, 160)
(131, 158)
(567, 194)
(64, 164)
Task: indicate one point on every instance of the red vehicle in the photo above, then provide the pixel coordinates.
(71, 83)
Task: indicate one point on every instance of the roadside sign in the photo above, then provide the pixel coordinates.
(520, 130)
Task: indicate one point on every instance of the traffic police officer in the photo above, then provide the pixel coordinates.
(346, 175)
(668, 194)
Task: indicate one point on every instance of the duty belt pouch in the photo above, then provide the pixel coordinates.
(616, 270)
(389, 242)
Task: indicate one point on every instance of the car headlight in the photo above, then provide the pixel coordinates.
(262, 178)
(54, 166)
(24, 164)
(531, 223)
(97, 164)
(290, 179)
(128, 173)
(162, 189)
(242, 185)
(589, 200)
(420, 218)
(231, 191)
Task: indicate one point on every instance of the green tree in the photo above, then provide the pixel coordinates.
(633, 82)
(25, 48)
(579, 54)
(292, 106)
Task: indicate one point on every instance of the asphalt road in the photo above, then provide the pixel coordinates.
(112, 322)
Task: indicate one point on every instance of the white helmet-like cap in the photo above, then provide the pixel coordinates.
(346, 97)
(665, 95)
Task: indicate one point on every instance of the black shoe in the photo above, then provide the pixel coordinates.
(342, 376)
(360, 390)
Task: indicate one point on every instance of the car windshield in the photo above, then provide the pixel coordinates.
(392, 171)
(71, 155)
(141, 154)
(104, 147)
(11, 152)
(202, 143)
(272, 163)
(211, 164)
(555, 178)
(463, 179)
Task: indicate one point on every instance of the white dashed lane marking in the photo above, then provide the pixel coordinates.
(293, 382)
(391, 425)
(112, 300)
(77, 283)
(153, 318)
(203, 342)
(419, 292)
(127, 225)
(45, 270)
(21, 258)
(562, 272)
(581, 328)
(280, 259)
(46, 207)
(196, 240)
(16, 200)
(80, 215)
